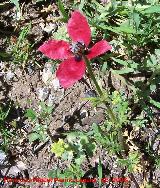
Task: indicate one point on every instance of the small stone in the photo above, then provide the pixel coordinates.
(30, 69)
(2, 156)
(55, 84)
(49, 78)
(2, 65)
(67, 118)
(51, 100)
(90, 93)
(21, 165)
(48, 28)
(9, 75)
(156, 145)
(43, 93)
(18, 73)
(83, 114)
(47, 73)
(14, 170)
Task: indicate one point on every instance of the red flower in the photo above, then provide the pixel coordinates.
(73, 67)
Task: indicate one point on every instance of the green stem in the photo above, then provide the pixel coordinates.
(62, 10)
(108, 108)
(92, 76)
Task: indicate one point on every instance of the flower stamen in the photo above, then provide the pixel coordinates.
(79, 49)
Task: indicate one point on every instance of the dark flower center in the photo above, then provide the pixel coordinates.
(79, 49)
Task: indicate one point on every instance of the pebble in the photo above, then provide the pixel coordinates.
(55, 84)
(21, 165)
(90, 93)
(9, 75)
(48, 27)
(51, 100)
(2, 156)
(47, 73)
(43, 93)
(83, 114)
(12, 171)
(30, 69)
(49, 78)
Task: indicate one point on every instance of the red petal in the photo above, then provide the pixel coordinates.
(99, 48)
(55, 49)
(78, 28)
(70, 71)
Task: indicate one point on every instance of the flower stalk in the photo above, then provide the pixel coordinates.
(108, 108)
(92, 76)
(99, 90)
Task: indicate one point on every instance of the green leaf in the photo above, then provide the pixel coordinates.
(96, 130)
(52, 174)
(100, 172)
(37, 1)
(104, 67)
(72, 135)
(62, 9)
(155, 103)
(90, 149)
(119, 30)
(23, 34)
(31, 114)
(121, 62)
(126, 29)
(157, 53)
(153, 59)
(82, 3)
(4, 55)
(152, 9)
(79, 160)
(4, 113)
(140, 7)
(136, 18)
(45, 110)
(124, 71)
(33, 137)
